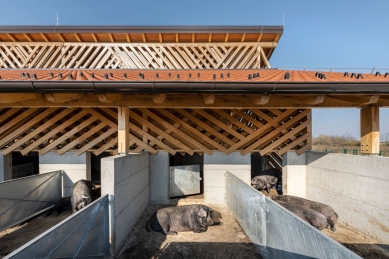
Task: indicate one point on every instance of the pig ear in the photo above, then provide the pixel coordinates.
(202, 213)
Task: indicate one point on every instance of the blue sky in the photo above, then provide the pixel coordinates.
(317, 34)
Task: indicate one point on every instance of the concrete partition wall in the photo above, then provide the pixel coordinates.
(215, 168)
(357, 187)
(294, 174)
(5, 167)
(159, 178)
(126, 179)
(75, 167)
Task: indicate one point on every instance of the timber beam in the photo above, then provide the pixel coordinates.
(12, 100)
(370, 130)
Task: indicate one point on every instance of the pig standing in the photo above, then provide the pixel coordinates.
(324, 209)
(81, 194)
(267, 179)
(312, 217)
(170, 220)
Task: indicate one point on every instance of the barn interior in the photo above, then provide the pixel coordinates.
(173, 115)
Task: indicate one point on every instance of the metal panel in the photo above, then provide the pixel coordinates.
(275, 231)
(22, 198)
(184, 180)
(82, 235)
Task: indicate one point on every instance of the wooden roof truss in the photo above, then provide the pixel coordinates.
(174, 130)
(236, 55)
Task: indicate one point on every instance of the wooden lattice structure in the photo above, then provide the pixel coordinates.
(179, 89)
(174, 130)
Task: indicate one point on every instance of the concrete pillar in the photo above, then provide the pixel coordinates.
(5, 167)
(75, 167)
(125, 178)
(215, 168)
(159, 178)
(370, 130)
(294, 174)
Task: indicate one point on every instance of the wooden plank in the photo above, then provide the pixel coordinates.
(105, 147)
(191, 129)
(226, 38)
(283, 138)
(123, 129)
(60, 37)
(94, 37)
(17, 119)
(11, 37)
(303, 149)
(265, 59)
(293, 144)
(111, 37)
(210, 37)
(8, 114)
(246, 58)
(27, 37)
(128, 38)
(26, 126)
(98, 139)
(54, 131)
(205, 126)
(80, 140)
(139, 143)
(67, 135)
(77, 37)
(109, 98)
(218, 123)
(159, 98)
(151, 138)
(233, 120)
(277, 130)
(44, 37)
(257, 133)
(28, 58)
(370, 130)
(175, 129)
(18, 97)
(38, 130)
(162, 133)
(52, 57)
(62, 97)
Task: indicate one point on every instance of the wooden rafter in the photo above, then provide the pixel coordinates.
(44, 37)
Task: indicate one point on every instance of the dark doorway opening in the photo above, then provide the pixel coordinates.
(96, 167)
(23, 166)
(187, 160)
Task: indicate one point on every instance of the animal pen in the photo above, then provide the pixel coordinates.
(155, 112)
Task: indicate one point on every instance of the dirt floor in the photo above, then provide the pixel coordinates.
(227, 240)
(15, 237)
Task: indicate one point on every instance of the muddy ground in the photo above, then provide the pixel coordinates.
(225, 241)
(15, 237)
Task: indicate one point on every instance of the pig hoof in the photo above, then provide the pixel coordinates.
(333, 229)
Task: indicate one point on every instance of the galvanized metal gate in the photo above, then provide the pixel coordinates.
(23, 198)
(184, 180)
(82, 235)
(276, 232)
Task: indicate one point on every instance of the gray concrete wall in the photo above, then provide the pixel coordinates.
(75, 167)
(126, 179)
(5, 167)
(294, 174)
(357, 187)
(216, 166)
(159, 178)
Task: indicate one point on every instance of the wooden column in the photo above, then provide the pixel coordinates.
(370, 130)
(123, 130)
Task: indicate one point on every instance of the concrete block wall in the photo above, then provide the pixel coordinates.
(5, 167)
(159, 178)
(126, 179)
(75, 166)
(294, 174)
(216, 166)
(357, 187)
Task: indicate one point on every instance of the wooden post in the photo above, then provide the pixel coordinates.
(370, 130)
(123, 130)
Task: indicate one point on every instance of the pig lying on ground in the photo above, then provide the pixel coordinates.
(81, 194)
(170, 220)
(313, 217)
(324, 209)
(60, 205)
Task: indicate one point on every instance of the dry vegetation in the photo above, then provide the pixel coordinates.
(341, 144)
